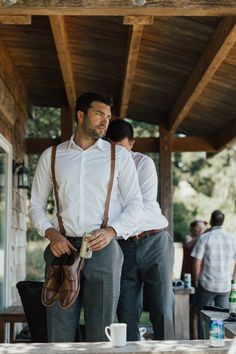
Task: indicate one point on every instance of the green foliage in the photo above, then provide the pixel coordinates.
(35, 262)
(182, 218)
(45, 122)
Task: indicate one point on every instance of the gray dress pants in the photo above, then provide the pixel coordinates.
(150, 261)
(100, 289)
(208, 298)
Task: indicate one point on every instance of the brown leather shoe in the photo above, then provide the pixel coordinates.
(52, 285)
(71, 280)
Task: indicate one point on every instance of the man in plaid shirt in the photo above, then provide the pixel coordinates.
(213, 267)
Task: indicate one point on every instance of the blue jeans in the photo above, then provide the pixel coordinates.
(100, 289)
(208, 298)
(150, 261)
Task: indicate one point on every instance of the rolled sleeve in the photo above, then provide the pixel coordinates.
(132, 214)
(39, 196)
(198, 250)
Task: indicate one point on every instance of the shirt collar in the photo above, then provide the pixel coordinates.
(99, 144)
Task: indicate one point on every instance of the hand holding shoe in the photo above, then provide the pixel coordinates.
(71, 279)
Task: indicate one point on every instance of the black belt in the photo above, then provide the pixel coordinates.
(145, 234)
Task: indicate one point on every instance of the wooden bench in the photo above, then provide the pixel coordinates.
(12, 315)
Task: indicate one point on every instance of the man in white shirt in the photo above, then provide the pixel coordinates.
(82, 171)
(148, 252)
(214, 257)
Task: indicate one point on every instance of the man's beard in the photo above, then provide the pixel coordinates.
(93, 132)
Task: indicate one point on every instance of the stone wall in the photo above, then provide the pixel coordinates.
(14, 108)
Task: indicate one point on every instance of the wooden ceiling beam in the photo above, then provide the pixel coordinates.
(192, 144)
(138, 20)
(226, 135)
(38, 145)
(133, 47)
(221, 42)
(119, 7)
(63, 51)
(16, 20)
(144, 145)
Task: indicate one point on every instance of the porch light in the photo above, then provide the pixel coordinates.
(22, 174)
(2, 176)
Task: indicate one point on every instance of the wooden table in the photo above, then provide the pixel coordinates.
(230, 327)
(182, 312)
(12, 315)
(142, 347)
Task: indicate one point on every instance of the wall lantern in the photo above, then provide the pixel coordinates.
(22, 174)
(2, 176)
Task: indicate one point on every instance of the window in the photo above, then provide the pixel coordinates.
(5, 212)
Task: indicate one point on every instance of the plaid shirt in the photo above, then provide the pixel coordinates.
(217, 250)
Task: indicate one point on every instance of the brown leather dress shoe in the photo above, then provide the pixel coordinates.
(71, 280)
(52, 285)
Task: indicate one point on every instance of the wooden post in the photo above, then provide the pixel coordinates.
(67, 119)
(165, 176)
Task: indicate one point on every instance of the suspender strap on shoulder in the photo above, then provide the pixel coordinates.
(55, 188)
(110, 184)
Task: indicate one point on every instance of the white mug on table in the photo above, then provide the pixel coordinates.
(117, 334)
(142, 331)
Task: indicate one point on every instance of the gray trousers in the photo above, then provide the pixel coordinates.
(208, 298)
(100, 289)
(150, 261)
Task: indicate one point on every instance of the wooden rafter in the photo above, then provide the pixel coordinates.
(218, 47)
(63, 51)
(135, 35)
(16, 20)
(120, 7)
(227, 134)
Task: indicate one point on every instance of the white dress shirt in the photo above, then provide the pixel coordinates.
(82, 177)
(147, 177)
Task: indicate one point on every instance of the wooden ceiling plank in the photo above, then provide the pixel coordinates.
(217, 49)
(16, 20)
(133, 47)
(62, 45)
(119, 7)
(226, 135)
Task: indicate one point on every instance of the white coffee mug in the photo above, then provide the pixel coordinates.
(142, 331)
(117, 334)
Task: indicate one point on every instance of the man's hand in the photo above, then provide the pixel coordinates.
(101, 238)
(58, 243)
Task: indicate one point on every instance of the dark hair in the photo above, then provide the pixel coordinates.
(194, 223)
(217, 218)
(83, 102)
(119, 129)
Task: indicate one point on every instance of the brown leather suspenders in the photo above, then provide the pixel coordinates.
(109, 189)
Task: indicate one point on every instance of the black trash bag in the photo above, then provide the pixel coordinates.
(35, 312)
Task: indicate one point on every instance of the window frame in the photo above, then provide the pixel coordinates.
(7, 147)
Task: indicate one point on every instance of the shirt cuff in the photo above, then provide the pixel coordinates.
(43, 229)
(120, 231)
